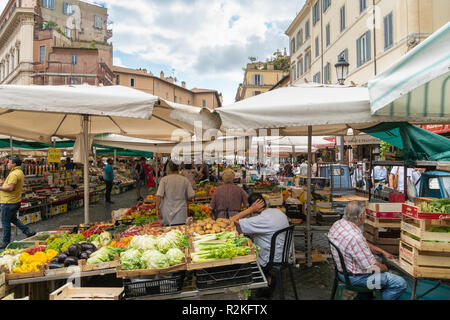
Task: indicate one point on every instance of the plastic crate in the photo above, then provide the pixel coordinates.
(165, 284)
(224, 276)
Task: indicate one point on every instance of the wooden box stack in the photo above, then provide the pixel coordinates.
(2, 285)
(382, 227)
(424, 254)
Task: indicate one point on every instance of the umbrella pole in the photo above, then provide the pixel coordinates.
(156, 170)
(11, 145)
(115, 157)
(86, 168)
(308, 202)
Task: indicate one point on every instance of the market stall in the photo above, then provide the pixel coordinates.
(149, 261)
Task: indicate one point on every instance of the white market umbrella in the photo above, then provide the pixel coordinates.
(295, 111)
(417, 85)
(41, 112)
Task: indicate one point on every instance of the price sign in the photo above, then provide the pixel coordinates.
(54, 155)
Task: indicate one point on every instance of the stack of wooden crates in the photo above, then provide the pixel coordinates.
(382, 226)
(2, 285)
(424, 254)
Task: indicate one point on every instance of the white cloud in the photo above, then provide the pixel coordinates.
(194, 36)
(118, 62)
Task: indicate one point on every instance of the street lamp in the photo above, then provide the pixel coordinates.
(341, 69)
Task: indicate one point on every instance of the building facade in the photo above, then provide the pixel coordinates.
(55, 42)
(370, 34)
(258, 79)
(166, 88)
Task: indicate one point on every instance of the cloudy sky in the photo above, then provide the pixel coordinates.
(203, 42)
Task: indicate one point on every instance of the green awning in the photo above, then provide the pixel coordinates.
(125, 152)
(418, 144)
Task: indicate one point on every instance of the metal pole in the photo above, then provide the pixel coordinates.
(341, 149)
(115, 158)
(156, 171)
(308, 202)
(11, 146)
(86, 168)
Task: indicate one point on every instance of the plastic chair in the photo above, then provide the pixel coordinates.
(278, 267)
(339, 286)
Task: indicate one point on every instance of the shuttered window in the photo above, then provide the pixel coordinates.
(388, 31)
(363, 49)
(343, 18)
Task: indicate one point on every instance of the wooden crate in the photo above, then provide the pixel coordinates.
(383, 223)
(424, 264)
(417, 227)
(150, 272)
(224, 262)
(375, 236)
(100, 266)
(16, 276)
(63, 271)
(384, 210)
(273, 201)
(391, 248)
(2, 285)
(418, 200)
(68, 292)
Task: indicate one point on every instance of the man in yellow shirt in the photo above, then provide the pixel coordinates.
(10, 201)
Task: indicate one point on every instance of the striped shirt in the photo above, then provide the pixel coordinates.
(351, 242)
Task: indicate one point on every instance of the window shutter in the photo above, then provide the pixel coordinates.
(358, 52)
(368, 46)
(262, 80)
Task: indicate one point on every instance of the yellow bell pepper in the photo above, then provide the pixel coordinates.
(51, 254)
(113, 243)
(24, 258)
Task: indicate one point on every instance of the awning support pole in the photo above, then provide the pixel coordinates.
(156, 170)
(11, 146)
(308, 202)
(86, 168)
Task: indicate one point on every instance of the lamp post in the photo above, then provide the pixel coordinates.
(342, 72)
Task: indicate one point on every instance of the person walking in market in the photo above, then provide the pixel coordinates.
(139, 175)
(173, 193)
(359, 257)
(109, 180)
(10, 201)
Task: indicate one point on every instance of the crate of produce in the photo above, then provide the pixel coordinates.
(424, 211)
(274, 200)
(424, 264)
(425, 233)
(157, 285)
(382, 235)
(3, 290)
(223, 276)
(222, 262)
(69, 292)
(384, 210)
(149, 272)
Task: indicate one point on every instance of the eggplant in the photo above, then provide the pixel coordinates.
(71, 261)
(55, 266)
(74, 250)
(55, 260)
(88, 252)
(84, 256)
(89, 246)
(61, 257)
(85, 246)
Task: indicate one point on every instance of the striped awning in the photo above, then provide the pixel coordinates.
(418, 85)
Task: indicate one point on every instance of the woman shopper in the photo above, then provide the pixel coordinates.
(174, 192)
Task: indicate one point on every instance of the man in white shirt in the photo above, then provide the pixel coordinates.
(401, 178)
(304, 169)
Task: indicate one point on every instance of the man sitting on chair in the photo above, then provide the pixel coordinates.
(359, 255)
(261, 228)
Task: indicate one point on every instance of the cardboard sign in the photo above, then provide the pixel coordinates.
(54, 155)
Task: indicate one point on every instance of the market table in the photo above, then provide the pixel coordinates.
(413, 280)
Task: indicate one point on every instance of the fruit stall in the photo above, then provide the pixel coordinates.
(136, 257)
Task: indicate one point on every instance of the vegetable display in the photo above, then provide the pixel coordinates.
(219, 246)
(436, 206)
(31, 262)
(199, 212)
(210, 226)
(104, 254)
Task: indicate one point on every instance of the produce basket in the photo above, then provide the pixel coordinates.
(68, 292)
(224, 276)
(162, 284)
